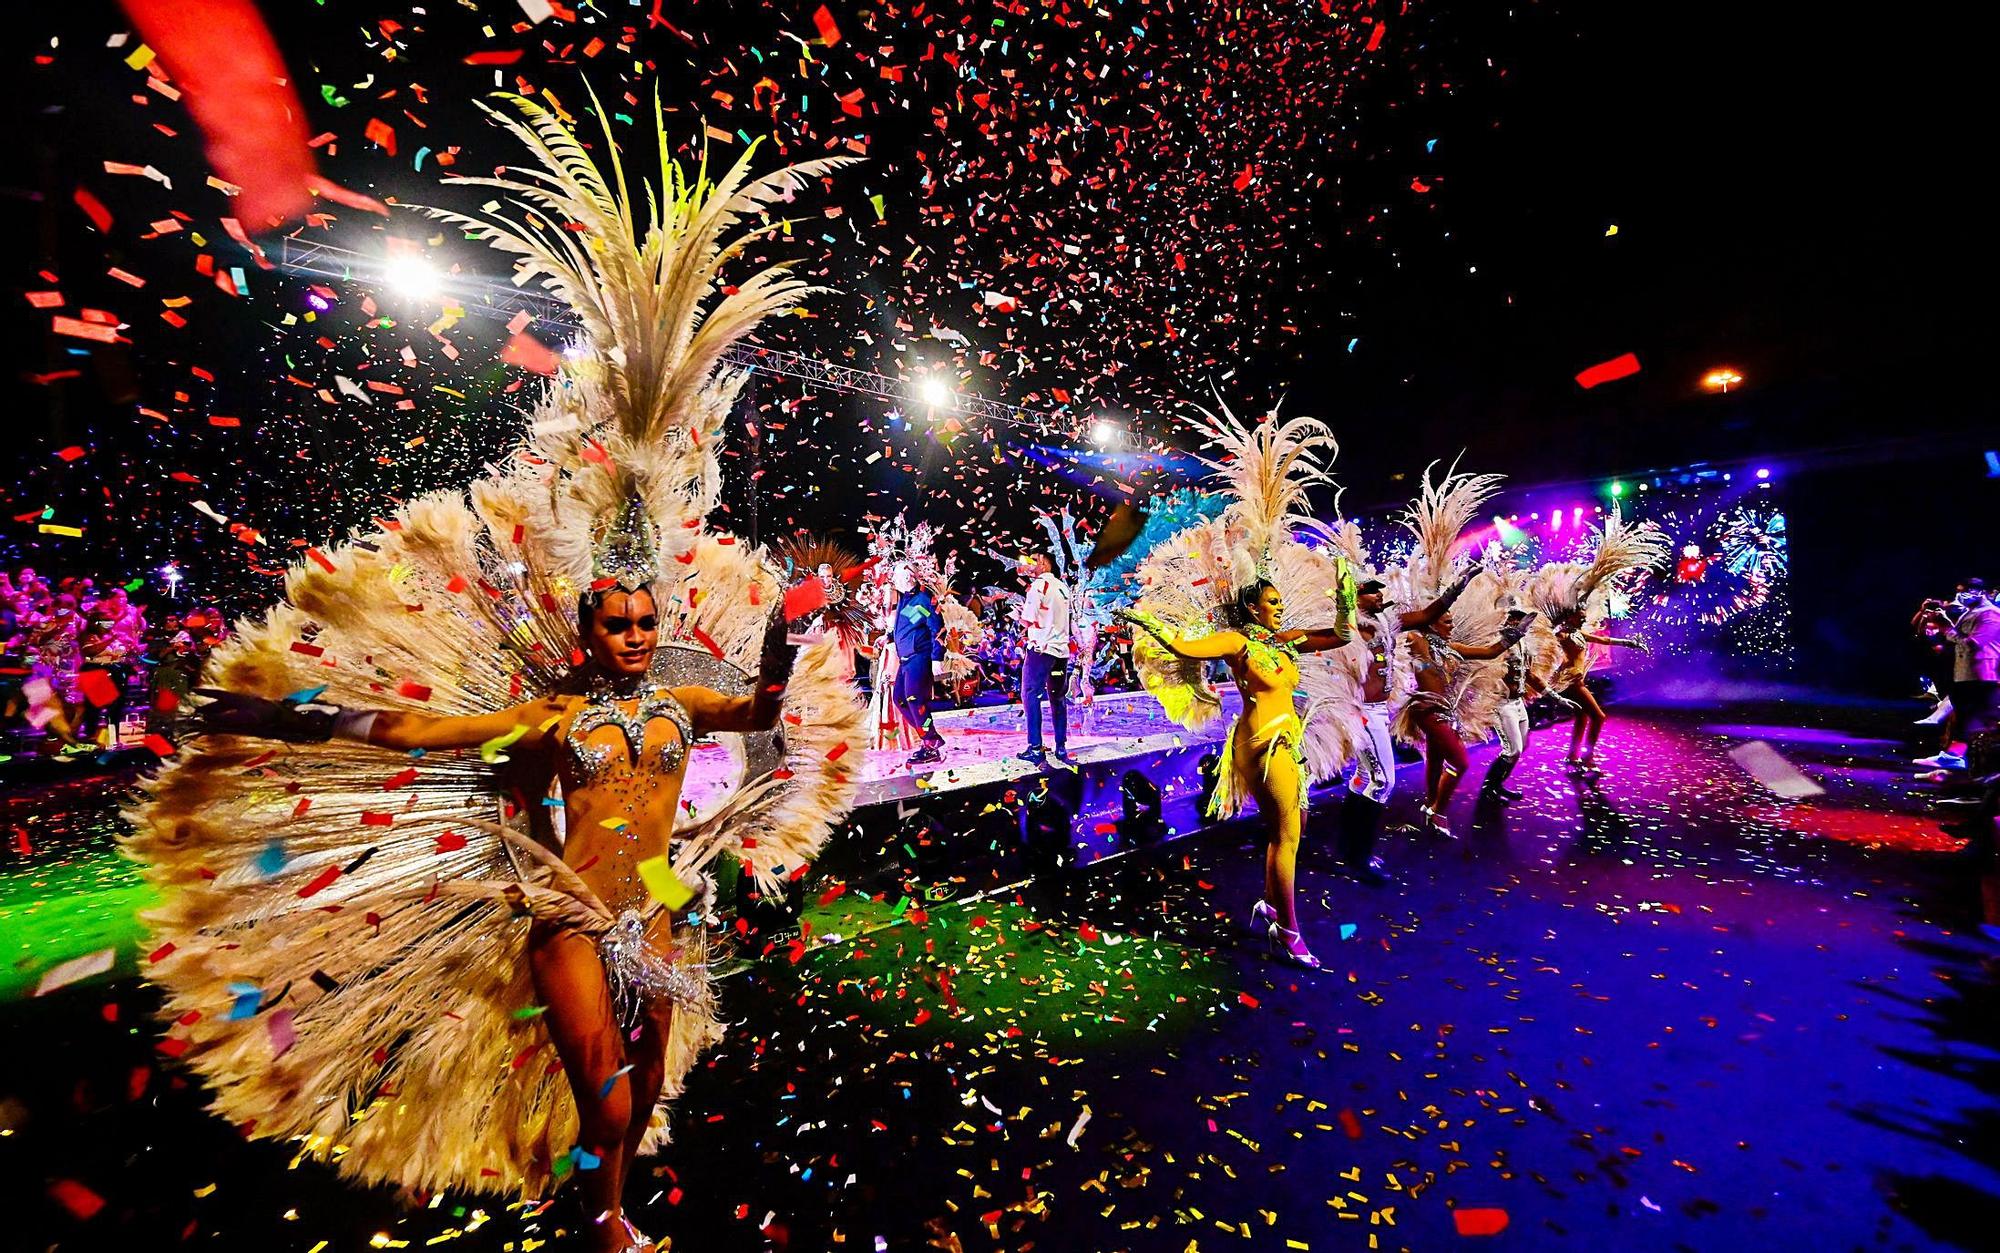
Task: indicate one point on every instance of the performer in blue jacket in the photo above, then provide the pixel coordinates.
(918, 648)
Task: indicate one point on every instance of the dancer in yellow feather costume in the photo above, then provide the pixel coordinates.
(1225, 589)
(419, 870)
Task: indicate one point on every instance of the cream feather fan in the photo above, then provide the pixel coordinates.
(1560, 590)
(1187, 582)
(342, 929)
(1437, 519)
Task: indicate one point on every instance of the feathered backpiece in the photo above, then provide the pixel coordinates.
(1561, 590)
(839, 572)
(1436, 520)
(897, 543)
(1189, 580)
(341, 931)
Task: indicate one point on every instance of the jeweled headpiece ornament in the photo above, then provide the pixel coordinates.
(626, 554)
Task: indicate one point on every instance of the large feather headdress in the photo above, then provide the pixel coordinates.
(632, 423)
(1560, 590)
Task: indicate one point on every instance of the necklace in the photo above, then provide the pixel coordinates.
(1264, 637)
(601, 709)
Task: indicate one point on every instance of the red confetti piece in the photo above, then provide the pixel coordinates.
(320, 882)
(71, 453)
(414, 691)
(159, 746)
(804, 599)
(309, 650)
(450, 842)
(380, 133)
(402, 778)
(81, 1202)
(161, 953)
(534, 356)
(94, 209)
(1622, 366)
(1480, 1222)
(829, 32)
(370, 818)
(98, 687)
(1350, 1124)
(701, 637)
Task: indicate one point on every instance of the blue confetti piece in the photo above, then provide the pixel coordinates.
(421, 154)
(1430, 145)
(615, 1076)
(586, 1160)
(249, 998)
(1352, 342)
(272, 860)
(306, 695)
(1347, 930)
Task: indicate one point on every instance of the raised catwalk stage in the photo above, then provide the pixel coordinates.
(984, 817)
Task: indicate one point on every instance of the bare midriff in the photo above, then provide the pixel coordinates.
(1267, 694)
(1375, 686)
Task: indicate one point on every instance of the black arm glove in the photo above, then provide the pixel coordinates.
(234, 713)
(1456, 590)
(774, 665)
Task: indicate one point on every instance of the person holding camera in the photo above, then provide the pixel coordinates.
(1971, 623)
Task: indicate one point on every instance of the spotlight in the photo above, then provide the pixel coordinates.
(1617, 490)
(1763, 472)
(413, 276)
(934, 392)
(1721, 379)
(1103, 433)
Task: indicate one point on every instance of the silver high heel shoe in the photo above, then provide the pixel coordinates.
(1262, 916)
(1287, 945)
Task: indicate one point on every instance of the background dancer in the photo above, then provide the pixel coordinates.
(1570, 597)
(1518, 683)
(1442, 675)
(915, 630)
(1272, 754)
(1045, 644)
(1374, 777)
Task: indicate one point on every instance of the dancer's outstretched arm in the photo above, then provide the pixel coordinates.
(234, 713)
(1417, 619)
(1318, 639)
(1211, 647)
(1613, 641)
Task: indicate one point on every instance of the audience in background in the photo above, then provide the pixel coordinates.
(75, 661)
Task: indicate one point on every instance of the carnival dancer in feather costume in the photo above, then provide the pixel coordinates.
(370, 937)
(1220, 591)
(1453, 698)
(1573, 598)
(1376, 666)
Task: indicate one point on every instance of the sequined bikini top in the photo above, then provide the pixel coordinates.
(601, 709)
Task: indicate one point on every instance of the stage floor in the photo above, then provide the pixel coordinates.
(1664, 1008)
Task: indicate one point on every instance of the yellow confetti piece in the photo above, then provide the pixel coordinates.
(492, 748)
(662, 884)
(140, 57)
